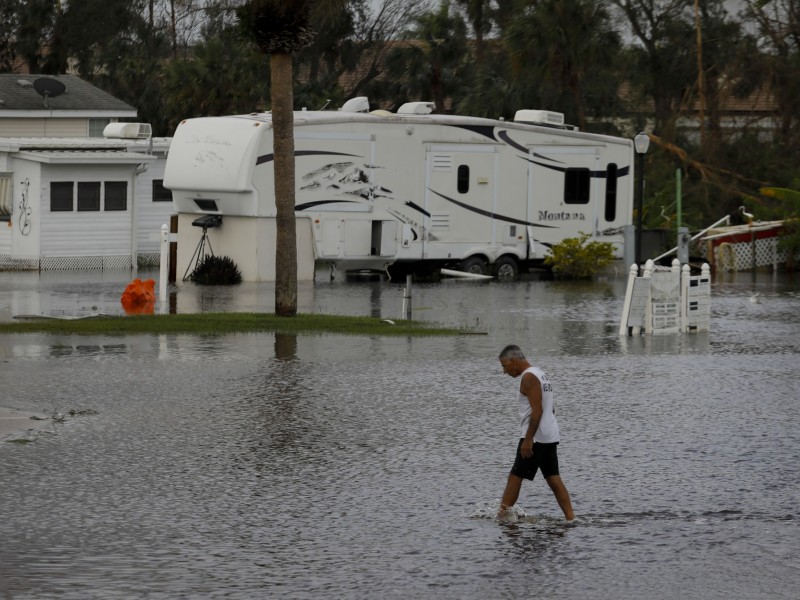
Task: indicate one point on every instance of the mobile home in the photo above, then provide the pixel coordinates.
(409, 191)
(82, 203)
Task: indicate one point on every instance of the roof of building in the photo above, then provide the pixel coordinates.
(91, 157)
(18, 95)
(18, 144)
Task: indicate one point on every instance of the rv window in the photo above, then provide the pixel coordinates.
(116, 195)
(576, 186)
(160, 193)
(611, 192)
(88, 195)
(463, 179)
(61, 195)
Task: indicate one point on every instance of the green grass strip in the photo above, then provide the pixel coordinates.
(222, 323)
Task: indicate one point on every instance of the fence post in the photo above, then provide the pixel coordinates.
(626, 308)
(685, 274)
(649, 268)
(407, 299)
(163, 270)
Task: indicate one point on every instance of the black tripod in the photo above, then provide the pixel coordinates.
(200, 252)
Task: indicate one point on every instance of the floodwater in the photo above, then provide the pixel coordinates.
(263, 466)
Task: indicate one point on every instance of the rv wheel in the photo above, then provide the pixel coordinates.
(474, 264)
(506, 269)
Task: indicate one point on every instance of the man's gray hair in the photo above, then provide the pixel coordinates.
(512, 351)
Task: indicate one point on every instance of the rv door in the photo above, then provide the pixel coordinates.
(563, 192)
(460, 197)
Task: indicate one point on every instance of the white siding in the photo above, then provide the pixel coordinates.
(6, 230)
(150, 216)
(89, 233)
(38, 127)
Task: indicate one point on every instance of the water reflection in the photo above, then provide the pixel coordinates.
(272, 465)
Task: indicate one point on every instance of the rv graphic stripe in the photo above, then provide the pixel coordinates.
(489, 132)
(484, 130)
(599, 174)
(503, 135)
(490, 214)
(418, 208)
(270, 157)
(316, 203)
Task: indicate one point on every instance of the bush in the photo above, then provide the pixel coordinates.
(216, 270)
(574, 258)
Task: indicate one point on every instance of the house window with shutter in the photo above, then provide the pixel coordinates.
(88, 196)
(61, 196)
(116, 195)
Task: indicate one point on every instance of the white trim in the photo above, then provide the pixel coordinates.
(60, 114)
(359, 137)
(84, 157)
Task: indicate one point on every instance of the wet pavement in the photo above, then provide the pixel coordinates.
(263, 465)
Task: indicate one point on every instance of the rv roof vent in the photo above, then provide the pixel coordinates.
(540, 117)
(416, 108)
(359, 104)
(128, 130)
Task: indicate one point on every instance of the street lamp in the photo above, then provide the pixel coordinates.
(640, 143)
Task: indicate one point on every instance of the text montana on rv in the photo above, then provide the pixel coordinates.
(405, 192)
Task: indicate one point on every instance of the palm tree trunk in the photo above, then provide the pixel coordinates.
(282, 97)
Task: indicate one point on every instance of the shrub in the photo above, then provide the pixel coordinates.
(574, 258)
(216, 270)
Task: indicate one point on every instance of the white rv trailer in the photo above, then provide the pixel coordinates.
(406, 191)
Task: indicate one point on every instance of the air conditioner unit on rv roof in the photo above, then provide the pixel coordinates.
(539, 117)
(128, 130)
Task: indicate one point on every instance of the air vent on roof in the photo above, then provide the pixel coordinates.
(24, 83)
(416, 108)
(359, 104)
(539, 117)
(128, 130)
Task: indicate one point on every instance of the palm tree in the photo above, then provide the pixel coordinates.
(280, 29)
(432, 64)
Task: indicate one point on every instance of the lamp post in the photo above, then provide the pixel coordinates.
(640, 143)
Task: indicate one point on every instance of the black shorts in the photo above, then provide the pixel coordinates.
(544, 457)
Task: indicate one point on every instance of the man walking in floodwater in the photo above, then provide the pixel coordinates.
(539, 432)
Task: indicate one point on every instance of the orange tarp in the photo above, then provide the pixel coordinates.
(139, 297)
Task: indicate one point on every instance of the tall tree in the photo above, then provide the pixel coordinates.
(8, 29)
(430, 64)
(36, 33)
(662, 68)
(280, 29)
(376, 31)
(562, 51)
(778, 27)
(222, 76)
(476, 13)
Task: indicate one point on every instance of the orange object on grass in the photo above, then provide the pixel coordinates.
(139, 298)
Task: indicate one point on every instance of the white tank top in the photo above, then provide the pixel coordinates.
(548, 426)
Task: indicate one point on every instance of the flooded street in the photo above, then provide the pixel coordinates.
(263, 466)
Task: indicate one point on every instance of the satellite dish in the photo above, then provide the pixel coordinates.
(48, 87)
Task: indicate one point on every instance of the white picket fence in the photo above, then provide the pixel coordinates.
(666, 301)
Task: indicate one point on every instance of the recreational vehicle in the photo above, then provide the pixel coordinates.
(406, 192)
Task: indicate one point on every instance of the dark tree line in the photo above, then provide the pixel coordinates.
(671, 67)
